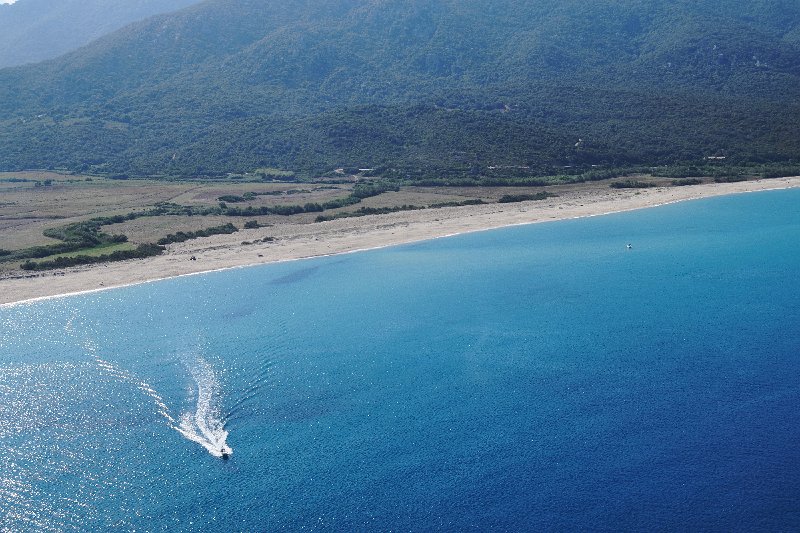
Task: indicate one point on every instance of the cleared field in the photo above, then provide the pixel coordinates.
(418, 197)
(150, 229)
(265, 194)
(27, 208)
(16, 234)
(33, 202)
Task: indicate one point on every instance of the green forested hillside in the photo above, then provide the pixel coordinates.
(419, 86)
(36, 30)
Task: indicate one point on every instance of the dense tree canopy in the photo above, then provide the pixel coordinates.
(417, 86)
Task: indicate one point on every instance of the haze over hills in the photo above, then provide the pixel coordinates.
(420, 85)
(35, 30)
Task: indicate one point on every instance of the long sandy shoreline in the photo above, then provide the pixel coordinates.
(298, 241)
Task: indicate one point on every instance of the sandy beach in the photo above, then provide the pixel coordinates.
(297, 241)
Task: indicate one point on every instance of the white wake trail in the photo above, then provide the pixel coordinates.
(128, 377)
(143, 386)
(205, 425)
(122, 375)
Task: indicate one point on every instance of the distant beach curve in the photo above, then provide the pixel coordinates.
(299, 241)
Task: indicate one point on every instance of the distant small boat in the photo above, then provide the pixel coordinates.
(630, 246)
(225, 454)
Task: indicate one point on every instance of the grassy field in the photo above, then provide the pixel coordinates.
(97, 251)
(32, 202)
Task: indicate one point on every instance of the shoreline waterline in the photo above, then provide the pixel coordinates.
(346, 236)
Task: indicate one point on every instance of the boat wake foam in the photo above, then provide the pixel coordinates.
(143, 386)
(205, 425)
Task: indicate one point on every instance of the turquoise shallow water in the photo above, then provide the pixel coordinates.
(531, 378)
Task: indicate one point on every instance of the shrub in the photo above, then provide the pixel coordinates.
(182, 236)
(231, 199)
(687, 181)
(631, 184)
(476, 201)
(367, 190)
(729, 179)
(142, 251)
(510, 198)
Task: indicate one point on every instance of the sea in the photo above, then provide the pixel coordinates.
(535, 378)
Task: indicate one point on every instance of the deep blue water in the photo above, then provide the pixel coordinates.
(532, 378)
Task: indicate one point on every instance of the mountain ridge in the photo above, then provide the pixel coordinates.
(325, 78)
(38, 30)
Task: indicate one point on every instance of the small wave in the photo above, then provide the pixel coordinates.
(252, 390)
(280, 343)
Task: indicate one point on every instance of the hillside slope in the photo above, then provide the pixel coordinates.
(35, 30)
(310, 85)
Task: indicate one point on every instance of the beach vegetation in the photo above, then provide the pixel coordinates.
(682, 182)
(632, 184)
(230, 198)
(365, 211)
(103, 249)
(183, 236)
(235, 198)
(79, 236)
(368, 190)
(140, 252)
(474, 201)
(511, 198)
(733, 178)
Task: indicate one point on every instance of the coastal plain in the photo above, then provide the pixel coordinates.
(29, 206)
